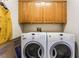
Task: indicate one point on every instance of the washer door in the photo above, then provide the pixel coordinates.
(33, 50)
(60, 51)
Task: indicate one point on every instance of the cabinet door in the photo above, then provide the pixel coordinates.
(61, 11)
(64, 12)
(49, 12)
(35, 13)
(32, 13)
(21, 13)
(55, 12)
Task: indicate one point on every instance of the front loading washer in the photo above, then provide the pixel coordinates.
(61, 45)
(33, 45)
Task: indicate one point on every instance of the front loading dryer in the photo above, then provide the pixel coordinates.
(33, 45)
(61, 45)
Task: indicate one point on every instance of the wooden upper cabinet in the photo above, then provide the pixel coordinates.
(41, 0)
(54, 12)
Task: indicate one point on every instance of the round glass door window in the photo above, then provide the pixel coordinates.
(60, 51)
(33, 50)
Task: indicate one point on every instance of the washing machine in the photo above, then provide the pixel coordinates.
(61, 45)
(33, 45)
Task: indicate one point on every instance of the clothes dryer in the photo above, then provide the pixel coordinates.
(33, 45)
(61, 45)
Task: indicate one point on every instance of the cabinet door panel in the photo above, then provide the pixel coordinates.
(55, 12)
(21, 13)
(58, 15)
(61, 11)
(49, 13)
(33, 13)
(26, 10)
(64, 12)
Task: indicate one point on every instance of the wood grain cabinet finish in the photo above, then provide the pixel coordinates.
(34, 13)
(58, 0)
(40, 0)
(56, 12)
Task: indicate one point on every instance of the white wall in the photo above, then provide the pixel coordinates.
(73, 19)
(44, 27)
(13, 7)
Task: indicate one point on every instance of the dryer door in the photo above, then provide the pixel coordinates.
(33, 50)
(60, 50)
